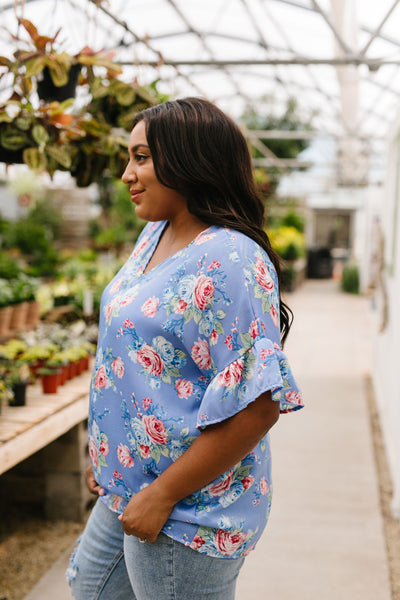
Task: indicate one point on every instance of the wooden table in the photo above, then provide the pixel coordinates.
(26, 429)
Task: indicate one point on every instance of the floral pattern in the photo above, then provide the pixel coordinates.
(190, 343)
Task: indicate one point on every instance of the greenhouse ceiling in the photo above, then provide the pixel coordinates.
(339, 59)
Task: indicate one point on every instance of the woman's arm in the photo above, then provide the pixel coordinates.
(218, 448)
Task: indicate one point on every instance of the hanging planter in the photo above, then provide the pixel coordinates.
(48, 91)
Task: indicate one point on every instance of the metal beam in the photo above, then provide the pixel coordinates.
(372, 63)
(335, 32)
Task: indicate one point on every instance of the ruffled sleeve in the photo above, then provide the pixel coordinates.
(262, 367)
(237, 337)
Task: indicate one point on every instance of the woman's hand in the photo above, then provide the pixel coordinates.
(146, 513)
(94, 487)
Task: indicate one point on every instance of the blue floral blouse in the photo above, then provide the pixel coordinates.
(189, 343)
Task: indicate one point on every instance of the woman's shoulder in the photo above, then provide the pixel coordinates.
(230, 244)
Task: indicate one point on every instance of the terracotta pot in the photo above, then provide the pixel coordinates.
(72, 370)
(32, 315)
(18, 316)
(5, 319)
(50, 383)
(64, 374)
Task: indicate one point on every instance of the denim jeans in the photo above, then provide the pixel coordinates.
(109, 565)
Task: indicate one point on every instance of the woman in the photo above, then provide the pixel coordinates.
(189, 374)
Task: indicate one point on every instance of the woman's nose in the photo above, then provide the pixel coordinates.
(129, 174)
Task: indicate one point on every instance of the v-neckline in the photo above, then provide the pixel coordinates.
(146, 271)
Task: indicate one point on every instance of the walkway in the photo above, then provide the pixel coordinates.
(324, 540)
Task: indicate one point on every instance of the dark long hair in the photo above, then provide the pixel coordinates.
(200, 152)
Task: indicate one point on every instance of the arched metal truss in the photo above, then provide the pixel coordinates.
(339, 59)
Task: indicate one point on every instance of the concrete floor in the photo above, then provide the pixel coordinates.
(324, 540)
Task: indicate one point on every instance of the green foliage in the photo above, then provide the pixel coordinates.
(9, 267)
(288, 120)
(350, 281)
(293, 219)
(288, 242)
(44, 213)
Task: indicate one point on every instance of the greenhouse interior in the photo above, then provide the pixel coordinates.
(314, 86)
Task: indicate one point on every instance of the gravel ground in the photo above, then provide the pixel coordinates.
(28, 545)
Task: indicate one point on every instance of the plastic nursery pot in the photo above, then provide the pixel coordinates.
(50, 92)
(19, 391)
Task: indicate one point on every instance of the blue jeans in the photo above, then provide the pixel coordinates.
(109, 565)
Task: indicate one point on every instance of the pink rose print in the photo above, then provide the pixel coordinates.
(262, 275)
(214, 265)
(253, 330)
(150, 307)
(294, 397)
(232, 374)
(117, 366)
(104, 448)
(124, 456)
(227, 542)
(219, 488)
(264, 487)
(141, 246)
(147, 402)
(180, 307)
(145, 451)
(150, 360)
(93, 453)
(265, 353)
(204, 238)
(155, 429)
(274, 316)
(116, 285)
(128, 324)
(213, 337)
(201, 354)
(248, 481)
(117, 475)
(127, 300)
(184, 388)
(197, 542)
(228, 342)
(101, 378)
(109, 309)
(203, 292)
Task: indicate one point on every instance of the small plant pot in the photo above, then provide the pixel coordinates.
(32, 315)
(50, 383)
(18, 316)
(72, 370)
(19, 391)
(5, 320)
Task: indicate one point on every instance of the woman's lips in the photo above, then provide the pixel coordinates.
(135, 194)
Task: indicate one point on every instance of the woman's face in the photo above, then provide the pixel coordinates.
(153, 200)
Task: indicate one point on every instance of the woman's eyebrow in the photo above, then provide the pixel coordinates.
(137, 146)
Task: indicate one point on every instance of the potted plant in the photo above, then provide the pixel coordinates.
(59, 362)
(5, 307)
(17, 378)
(50, 379)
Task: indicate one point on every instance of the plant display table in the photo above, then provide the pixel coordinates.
(55, 425)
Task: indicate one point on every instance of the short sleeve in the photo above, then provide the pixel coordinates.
(241, 356)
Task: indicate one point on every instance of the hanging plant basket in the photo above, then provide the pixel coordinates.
(49, 92)
(11, 157)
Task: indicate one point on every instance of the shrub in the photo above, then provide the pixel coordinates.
(287, 242)
(350, 281)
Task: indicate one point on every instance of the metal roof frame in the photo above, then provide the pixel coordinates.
(270, 53)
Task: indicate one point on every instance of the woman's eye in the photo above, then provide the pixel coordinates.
(140, 157)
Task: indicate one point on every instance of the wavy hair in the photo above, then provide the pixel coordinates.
(199, 151)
